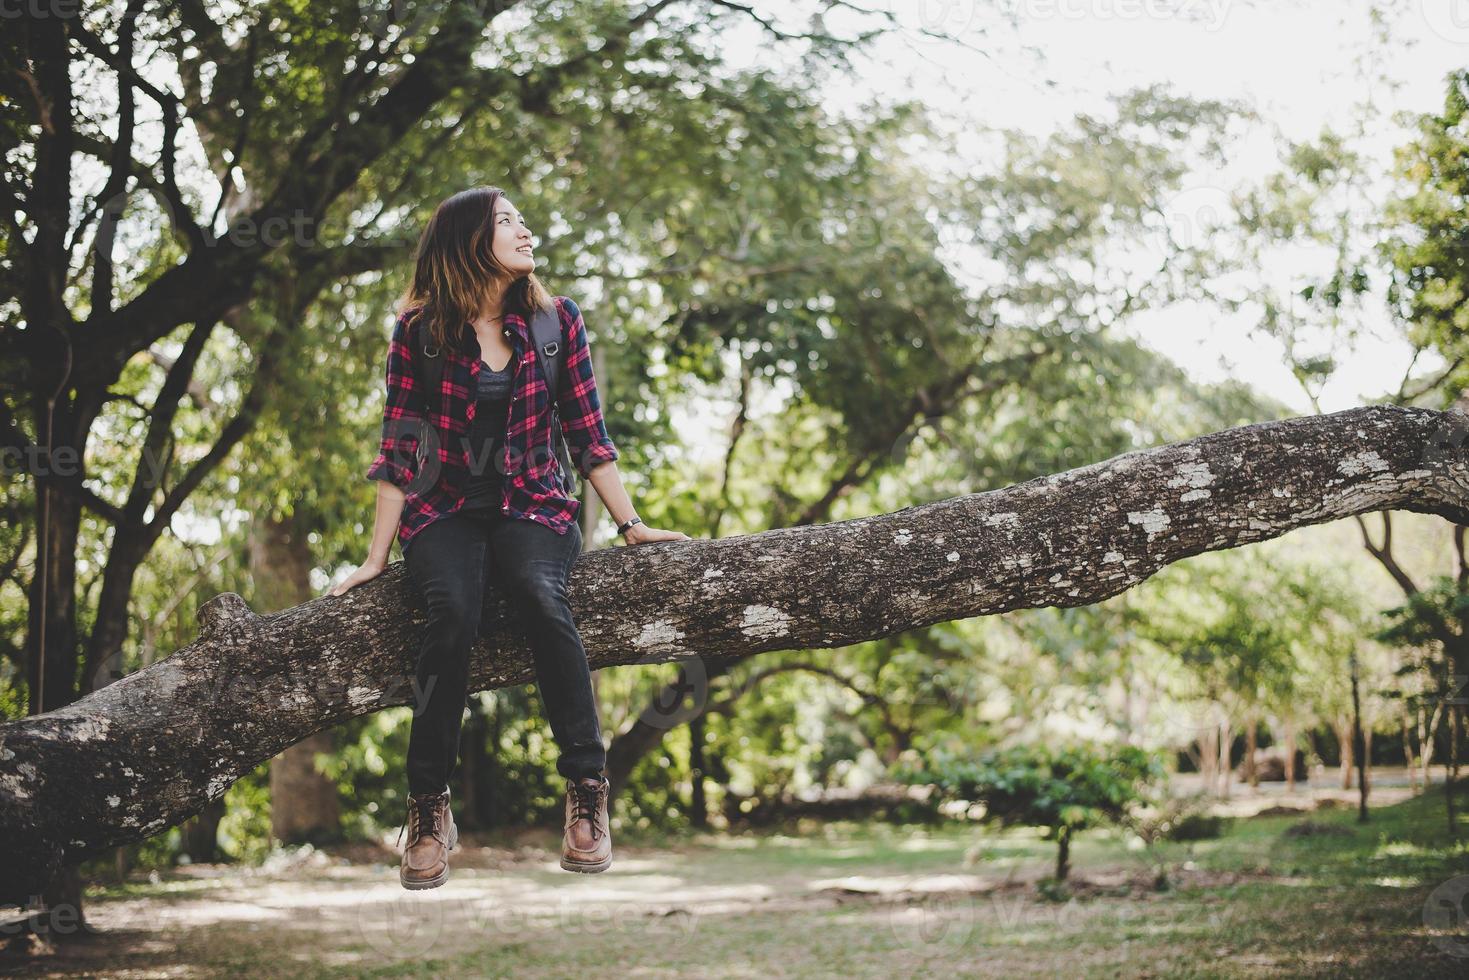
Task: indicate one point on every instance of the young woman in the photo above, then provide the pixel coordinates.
(488, 502)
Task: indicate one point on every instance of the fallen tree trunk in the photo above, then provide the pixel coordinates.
(154, 747)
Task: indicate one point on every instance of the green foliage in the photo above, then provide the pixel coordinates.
(1427, 615)
(735, 245)
(1431, 257)
(1059, 789)
(367, 768)
(244, 831)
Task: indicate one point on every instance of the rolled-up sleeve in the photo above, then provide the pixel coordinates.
(397, 461)
(579, 405)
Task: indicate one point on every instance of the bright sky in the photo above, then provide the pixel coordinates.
(1294, 60)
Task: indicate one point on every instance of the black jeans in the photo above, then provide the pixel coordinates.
(450, 563)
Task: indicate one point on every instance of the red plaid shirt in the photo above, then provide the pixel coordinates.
(533, 489)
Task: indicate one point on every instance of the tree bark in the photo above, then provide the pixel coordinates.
(698, 804)
(1344, 748)
(1428, 724)
(51, 639)
(303, 802)
(153, 748)
(1451, 773)
(1359, 743)
(1409, 760)
(1226, 746)
(1290, 755)
(1208, 759)
(1252, 776)
(201, 833)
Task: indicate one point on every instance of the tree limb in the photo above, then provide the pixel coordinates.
(156, 746)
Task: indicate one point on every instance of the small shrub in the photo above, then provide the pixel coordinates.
(1063, 790)
(1199, 826)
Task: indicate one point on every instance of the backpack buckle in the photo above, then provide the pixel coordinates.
(431, 351)
(551, 349)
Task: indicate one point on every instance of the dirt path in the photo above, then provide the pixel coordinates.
(866, 901)
(317, 912)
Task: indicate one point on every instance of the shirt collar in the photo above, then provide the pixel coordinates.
(514, 321)
(517, 323)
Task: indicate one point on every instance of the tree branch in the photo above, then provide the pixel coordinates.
(156, 746)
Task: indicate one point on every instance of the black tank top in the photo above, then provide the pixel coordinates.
(487, 438)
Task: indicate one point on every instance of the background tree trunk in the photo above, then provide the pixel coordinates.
(1343, 729)
(1360, 745)
(1209, 759)
(303, 802)
(698, 804)
(1226, 771)
(201, 833)
(1290, 754)
(1251, 775)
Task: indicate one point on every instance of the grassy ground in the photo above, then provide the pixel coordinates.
(1381, 899)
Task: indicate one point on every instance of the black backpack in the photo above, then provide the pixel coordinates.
(545, 331)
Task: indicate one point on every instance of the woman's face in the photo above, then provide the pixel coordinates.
(511, 243)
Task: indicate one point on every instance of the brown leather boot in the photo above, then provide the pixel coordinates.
(431, 836)
(586, 845)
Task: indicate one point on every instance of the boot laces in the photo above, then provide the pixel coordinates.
(423, 815)
(584, 800)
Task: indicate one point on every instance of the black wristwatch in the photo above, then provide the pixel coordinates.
(622, 528)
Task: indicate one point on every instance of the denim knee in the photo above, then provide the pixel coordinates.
(454, 613)
(541, 592)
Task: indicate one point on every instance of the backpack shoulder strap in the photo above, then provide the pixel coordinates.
(546, 334)
(545, 331)
(428, 366)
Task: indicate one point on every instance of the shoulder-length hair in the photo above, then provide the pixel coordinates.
(455, 270)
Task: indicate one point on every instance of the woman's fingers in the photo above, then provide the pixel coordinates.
(356, 578)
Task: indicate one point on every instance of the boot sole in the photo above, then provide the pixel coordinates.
(586, 869)
(423, 884)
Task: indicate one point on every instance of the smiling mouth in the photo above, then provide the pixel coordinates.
(526, 249)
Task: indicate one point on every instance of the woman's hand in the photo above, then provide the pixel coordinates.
(366, 572)
(643, 534)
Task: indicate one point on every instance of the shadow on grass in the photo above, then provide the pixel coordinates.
(1356, 899)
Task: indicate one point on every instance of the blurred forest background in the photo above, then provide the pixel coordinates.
(803, 311)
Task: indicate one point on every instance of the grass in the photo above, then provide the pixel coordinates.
(823, 900)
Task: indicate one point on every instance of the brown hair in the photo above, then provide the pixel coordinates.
(456, 268)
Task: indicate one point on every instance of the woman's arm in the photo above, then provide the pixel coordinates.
(607, 481)
(593, 452)
(385, 523)
(384, 530)
(579, 404)
(396, 462)
(397, 459)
